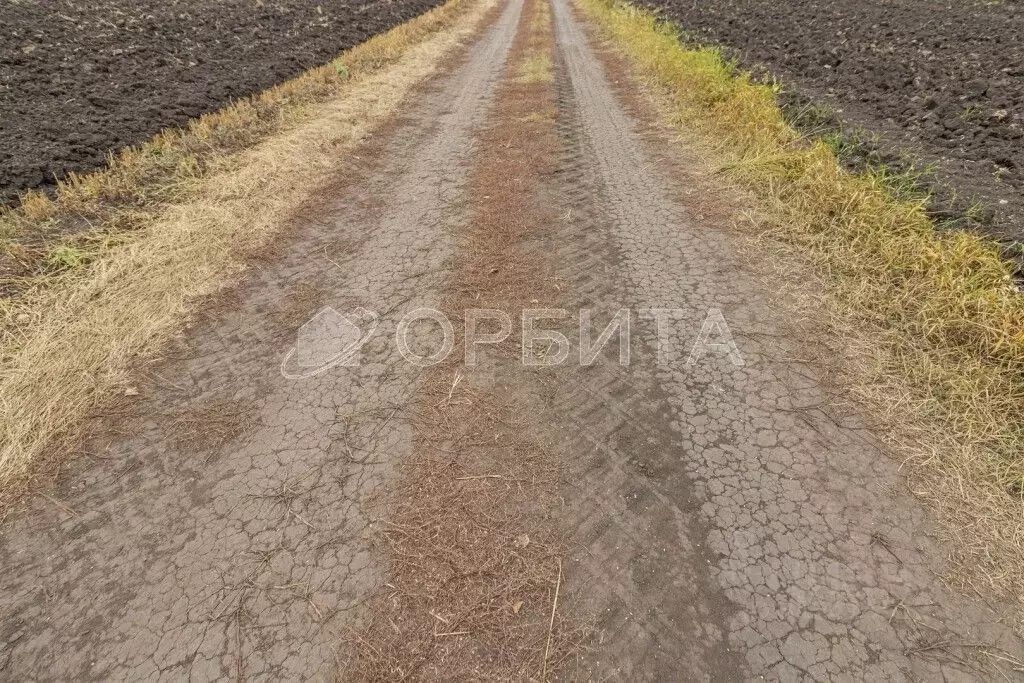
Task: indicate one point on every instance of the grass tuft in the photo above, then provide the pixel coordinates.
(65, 257)
(536, 69)
(936, 312)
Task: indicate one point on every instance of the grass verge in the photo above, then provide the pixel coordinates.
(932, 319)
(175, 221)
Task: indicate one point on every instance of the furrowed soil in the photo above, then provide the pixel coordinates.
(81, 79)
(471, 495)
(940, 81)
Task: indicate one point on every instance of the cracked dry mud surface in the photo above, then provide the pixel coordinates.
(721, 521)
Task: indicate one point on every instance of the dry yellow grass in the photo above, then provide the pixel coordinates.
(536, 69)
(934, 319)
(536, 66)
(69, 339)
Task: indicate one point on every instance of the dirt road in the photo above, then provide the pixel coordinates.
(707, 508)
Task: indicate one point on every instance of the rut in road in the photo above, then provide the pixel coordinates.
(705, 520)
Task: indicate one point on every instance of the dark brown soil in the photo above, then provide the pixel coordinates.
(79, 79)
(942, 81)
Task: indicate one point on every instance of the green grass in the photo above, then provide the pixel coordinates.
(66, 257)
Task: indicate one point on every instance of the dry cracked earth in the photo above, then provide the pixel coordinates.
(716, 512)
